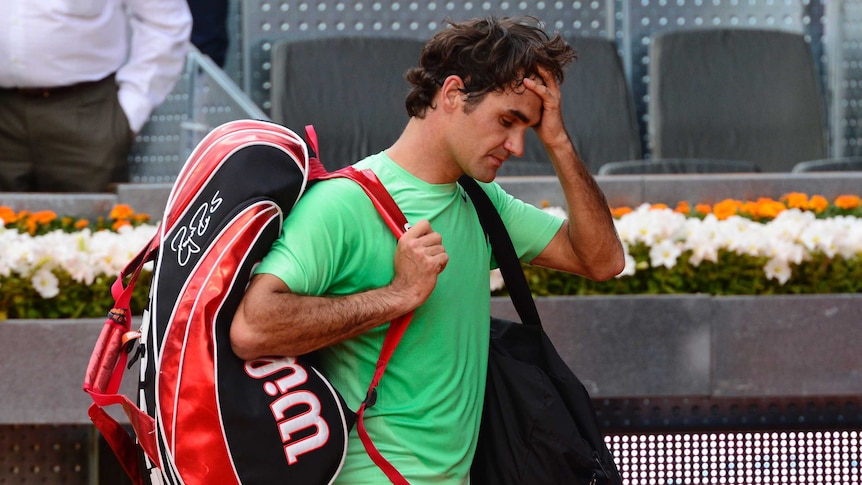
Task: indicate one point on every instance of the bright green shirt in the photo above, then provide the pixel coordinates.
(334, 242)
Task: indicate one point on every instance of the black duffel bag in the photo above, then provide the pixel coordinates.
(538, 423)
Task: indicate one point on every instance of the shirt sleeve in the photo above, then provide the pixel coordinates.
(311, 252)
(160, 40)
(530, 228)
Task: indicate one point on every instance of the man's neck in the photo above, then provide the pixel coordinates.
(420, 151)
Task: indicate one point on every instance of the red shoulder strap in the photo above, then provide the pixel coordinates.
(398, 224)
(105, 373)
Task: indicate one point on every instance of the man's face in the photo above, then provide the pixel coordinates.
(484, 135)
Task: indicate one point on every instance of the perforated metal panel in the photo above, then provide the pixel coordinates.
(267, 21)
(45, 454)
(833, 28)
(744, 458)
(844, 43)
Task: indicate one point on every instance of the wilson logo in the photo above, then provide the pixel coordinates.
(290, 424)
(183, 243)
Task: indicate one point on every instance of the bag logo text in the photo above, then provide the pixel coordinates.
(183, 242)
(287, 398)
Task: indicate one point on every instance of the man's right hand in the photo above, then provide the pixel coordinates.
(419, 258)
(272, 320)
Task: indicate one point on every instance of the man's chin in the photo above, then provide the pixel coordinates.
(485, 176)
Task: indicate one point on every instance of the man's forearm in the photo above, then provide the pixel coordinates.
(285, 323)
(591, 228)
(271, 320)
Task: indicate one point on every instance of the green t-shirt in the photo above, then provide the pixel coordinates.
(428, 410)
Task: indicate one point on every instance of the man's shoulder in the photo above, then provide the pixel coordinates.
(337, 198)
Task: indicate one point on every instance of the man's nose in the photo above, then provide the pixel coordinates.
(515, 145)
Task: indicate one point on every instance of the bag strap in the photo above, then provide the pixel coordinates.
(394, 218)
(105, 374)
(504, 252)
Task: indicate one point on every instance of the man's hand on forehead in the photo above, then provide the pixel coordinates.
(538, 78)
(550, 129)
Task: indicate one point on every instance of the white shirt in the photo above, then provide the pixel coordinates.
(50, 43)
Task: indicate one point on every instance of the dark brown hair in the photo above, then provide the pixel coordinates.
(489, 55)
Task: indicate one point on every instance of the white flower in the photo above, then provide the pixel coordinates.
(703, 238)
(703, 250)
(84, 255)
(788, 251)
(793, 237)
(850, 243)
(815, 239)
(557, 211)
(777, 268)
(742, 236)
(789, 224)
(650, 226)
(497, 282)
(630, 267)
(45, 283)
(664, 254)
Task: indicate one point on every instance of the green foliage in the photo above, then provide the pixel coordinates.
(733, 274)
(20, 300)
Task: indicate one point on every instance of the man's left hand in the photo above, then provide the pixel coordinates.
(551, 131)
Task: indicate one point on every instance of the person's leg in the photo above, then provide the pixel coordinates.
(85, 140)
(16, 162)
(209, 28)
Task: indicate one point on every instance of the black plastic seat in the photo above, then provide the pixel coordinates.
(849, 164)
(678, 165)
(352, 89)
(735, 94)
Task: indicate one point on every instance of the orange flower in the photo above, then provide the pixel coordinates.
(658, 206)
(846, 202)
(141, 217)
(121, 211)
(703, 208)
(620, 211)
(750, 208)
(43, 217)
(81, 223)
(8, 215)
(683, 207)
(725, 209)
(120, 223)
(769, 208)
(796, 200)
(818, 203)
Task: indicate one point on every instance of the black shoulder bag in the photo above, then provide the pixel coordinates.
(538, 424)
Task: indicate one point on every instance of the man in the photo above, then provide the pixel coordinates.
(78, 80)
(331, 284)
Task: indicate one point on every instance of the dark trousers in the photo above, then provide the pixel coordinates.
(71, 139)
(209, 28)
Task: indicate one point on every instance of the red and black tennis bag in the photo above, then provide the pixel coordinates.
(203, 415)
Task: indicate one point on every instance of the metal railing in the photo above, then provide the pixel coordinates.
(204, 98)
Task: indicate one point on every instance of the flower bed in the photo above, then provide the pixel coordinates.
(795, 245)
(61, 267)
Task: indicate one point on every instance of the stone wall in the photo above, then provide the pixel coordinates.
(628, 190)
(641, 347)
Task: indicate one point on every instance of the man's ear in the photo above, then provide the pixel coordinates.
(451, 96)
